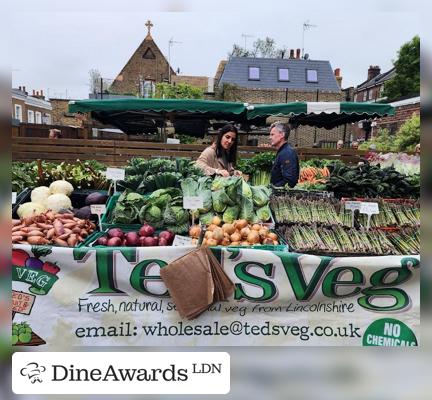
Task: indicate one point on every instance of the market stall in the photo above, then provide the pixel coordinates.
(173, 257)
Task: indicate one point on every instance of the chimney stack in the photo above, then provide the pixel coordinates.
(298, 54)
(291, 53)
(338, 77)
(373, 71)
(34, 93)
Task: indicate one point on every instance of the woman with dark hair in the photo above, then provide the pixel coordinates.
(220, 157)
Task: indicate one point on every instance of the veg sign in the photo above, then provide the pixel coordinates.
(116, 297)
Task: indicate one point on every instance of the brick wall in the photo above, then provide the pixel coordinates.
(140, 66)
(402, 114)
(262, 96)
(306, 135)
(197, 81)
(60, 113)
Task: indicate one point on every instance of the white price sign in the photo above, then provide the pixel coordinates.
(369, 208)
(192, 202)
(115, 174)
(182, 241)
(98, 209)
(14, 197)
(352, 205)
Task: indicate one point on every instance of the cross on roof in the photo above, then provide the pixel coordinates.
(149, 25)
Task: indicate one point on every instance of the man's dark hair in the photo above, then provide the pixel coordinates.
(282, 128)
(232, 153)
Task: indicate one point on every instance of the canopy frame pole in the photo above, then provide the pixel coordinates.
(344, 133)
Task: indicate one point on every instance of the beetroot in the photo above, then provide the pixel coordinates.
(163, 241)
(146, 230)
(114, 242)
(168, 236)
(132, 239)
(102, 241)
(115, 232)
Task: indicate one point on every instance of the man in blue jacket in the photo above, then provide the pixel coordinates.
(285, 169)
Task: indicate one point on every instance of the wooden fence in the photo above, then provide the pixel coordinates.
(118, 152)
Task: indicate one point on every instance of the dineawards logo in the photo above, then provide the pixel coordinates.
(61, 373)
(33, 371)
(120, 373)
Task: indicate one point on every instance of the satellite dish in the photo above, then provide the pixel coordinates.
(306, 56)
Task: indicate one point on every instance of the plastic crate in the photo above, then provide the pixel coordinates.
(282, 246)
(77, 198)
(96, 235)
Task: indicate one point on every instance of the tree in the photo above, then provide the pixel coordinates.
(178, 91)
(408, 134)
(265, 48)
(407, 67)
(94, 80)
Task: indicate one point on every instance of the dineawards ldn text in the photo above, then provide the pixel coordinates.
(113, 374)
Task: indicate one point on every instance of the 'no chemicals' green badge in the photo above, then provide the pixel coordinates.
(389, 332)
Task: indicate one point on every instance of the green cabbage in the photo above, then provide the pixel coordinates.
(231, 214)
(263, 213)
(207, 201)
(206, 218)
(189, 187)
(260, 195)
(247, 210)
(246, 190)
(151, 214)
(220, 200)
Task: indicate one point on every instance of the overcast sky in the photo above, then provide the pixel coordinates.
(54, 45)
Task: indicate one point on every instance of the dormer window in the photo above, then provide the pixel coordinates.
(312, 75)
(254, 73)
(283, 74)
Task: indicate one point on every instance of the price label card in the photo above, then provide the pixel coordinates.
(352, 205)
(192, 202)
(14, 197)
(115, 174)
(173, 141)
(98, 209)
(369, 208)
(182, 241)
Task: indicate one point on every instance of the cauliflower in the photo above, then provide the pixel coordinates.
(58, 201)
(40, 195)
(30, 209)
(62, 187)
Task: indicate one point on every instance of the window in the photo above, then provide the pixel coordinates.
(283, 74)
(30, 116)
(148, 54)
(18, 112)
(46, 119)
(254, 74)
(38, 117)
(370, 94)
(365, 95)
(311, 75)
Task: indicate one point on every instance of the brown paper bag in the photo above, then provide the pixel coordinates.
(195, 281)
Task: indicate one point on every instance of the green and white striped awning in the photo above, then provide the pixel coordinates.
(320, 114)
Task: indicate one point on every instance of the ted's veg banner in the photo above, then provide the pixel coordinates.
(115, 297)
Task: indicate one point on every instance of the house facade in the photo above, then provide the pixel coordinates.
(31, 109)
(271, 80)
(372, 89)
